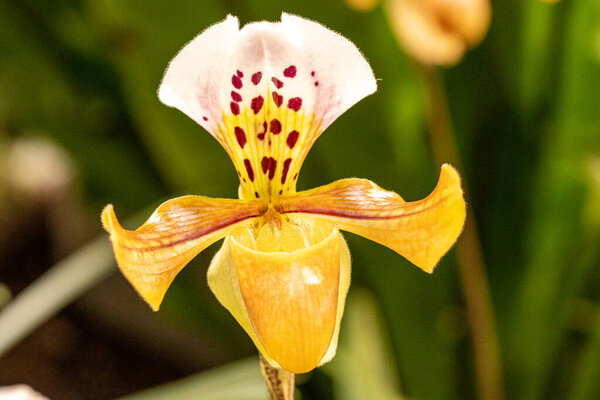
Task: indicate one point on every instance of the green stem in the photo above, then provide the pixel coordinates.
(280, 383)
(471, 265)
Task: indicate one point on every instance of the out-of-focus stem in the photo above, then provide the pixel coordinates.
(471, 266)
(280, 383)
(58, 287)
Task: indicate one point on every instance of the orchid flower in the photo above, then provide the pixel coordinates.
(266, 92)
(439, 32)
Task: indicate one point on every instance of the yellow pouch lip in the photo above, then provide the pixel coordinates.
(322, 243)
(291, 299)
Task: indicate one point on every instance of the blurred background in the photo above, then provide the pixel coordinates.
(513, 312)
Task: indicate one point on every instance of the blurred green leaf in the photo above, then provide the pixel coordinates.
(363, 367)
(188, 158)
(555, 267)
(236, 381)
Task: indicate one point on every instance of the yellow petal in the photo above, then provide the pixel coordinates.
(345, 263)
(421, 231)
(223, 281)
(151, 256)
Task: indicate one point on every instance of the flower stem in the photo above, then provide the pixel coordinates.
(280, 383)
(471, 265)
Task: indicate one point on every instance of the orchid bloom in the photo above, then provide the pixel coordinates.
(439, 32)
(266, 92)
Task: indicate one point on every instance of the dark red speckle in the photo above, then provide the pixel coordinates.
(286, 168)
(257, 104)
(256, 194)
(317, 83)
(240, 135)
(204, 118)
(295, 103)
(256, 77)
(239, 73)
(277, 99)
(292, 139)
(235, 96)
(295, 176)
(277, 82)
(235, 108)
(265, 163)
(275, 127)
(268, 164)
(249, 169)
(281, 192)
(312, 73)
(290, 71)
(236, 82)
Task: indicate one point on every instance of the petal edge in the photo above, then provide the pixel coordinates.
(421, 231)
(151, 256)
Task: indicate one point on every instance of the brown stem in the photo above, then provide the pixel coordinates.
(280, 383)
(471, 265)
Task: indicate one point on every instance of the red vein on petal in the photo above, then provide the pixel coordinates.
(356, 215)
(196, 235)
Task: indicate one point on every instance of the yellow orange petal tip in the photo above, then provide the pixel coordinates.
(450, 180)
(108, 213)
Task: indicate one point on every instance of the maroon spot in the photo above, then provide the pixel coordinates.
(256, 77)
(256, 194)
(295, 176)
(236, 82)
(236, 96)
(286, 167)
(268, 164)
(249, 169)
(204, 118)
(239, 73)
(264, 164)
(277, 82)
(277, 98)
(272, 168)
(281, 191)
(292, 139)
(257, 104)
(240, 175)
(317, 83)
(275, 127)
(290, 71)
(240, 135)
(312, 73)
(235, 108)
(295, 103)
(261, 135)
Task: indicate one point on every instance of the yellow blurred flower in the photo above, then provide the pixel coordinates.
(266, 93)
(362, 5)
(438, 32)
